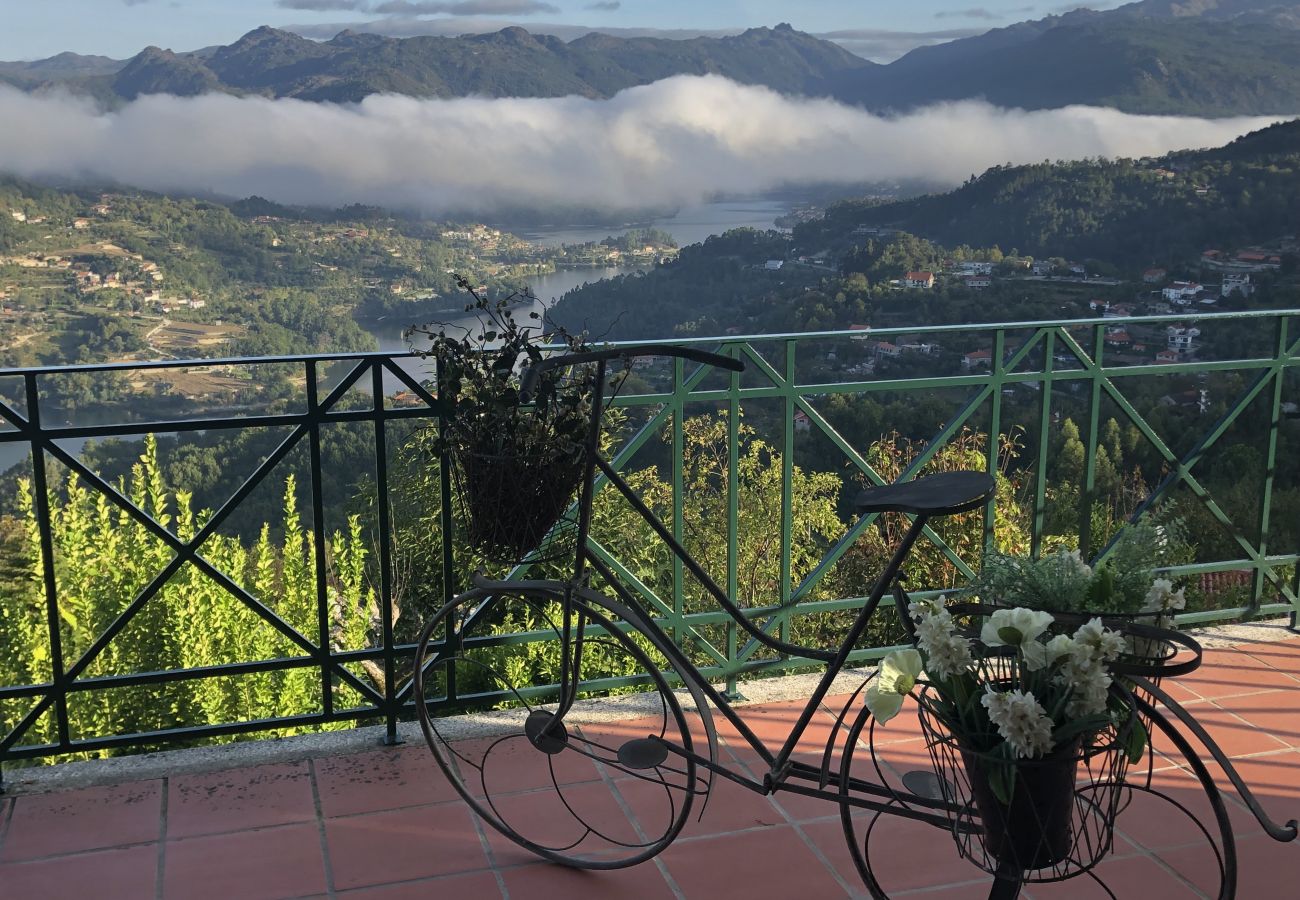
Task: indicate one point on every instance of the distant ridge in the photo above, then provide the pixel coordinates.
(508, 63)
(1183, 57)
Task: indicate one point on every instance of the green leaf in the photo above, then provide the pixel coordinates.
(1076, 727)
(1001, 775)
(1136, 745)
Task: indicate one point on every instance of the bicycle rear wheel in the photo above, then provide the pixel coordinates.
(584, 779)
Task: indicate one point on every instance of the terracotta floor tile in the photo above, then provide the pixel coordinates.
(1128, 877)
(88, 819)
(1266, 869)
(239, 799)
(1281, 655)
(266, 864)
(730, 808)
(642, 882)
(1153, 822)
(904, 855)
(773, 722)
(560, 821)
(403, 844)
(1271, 779)
(474, 886)
(1233, 735)
(513, 764)
(1277, 712)
(127, 874)
(391, 836)
(776, 864)
(1228, 673)
(384, 779)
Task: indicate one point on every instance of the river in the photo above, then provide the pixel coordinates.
(690, 225)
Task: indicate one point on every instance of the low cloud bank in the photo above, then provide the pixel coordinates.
(669, 143)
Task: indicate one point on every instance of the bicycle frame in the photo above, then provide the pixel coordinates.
(782, 768)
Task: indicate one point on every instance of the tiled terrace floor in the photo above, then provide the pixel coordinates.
(385, 824)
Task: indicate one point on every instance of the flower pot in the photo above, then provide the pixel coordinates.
(1034, 830)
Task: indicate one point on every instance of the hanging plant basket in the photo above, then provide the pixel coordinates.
(515, 462)
(513, 506)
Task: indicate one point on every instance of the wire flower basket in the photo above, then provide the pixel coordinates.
(516, 507)
(1060, 818)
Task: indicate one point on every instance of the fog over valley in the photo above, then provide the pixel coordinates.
(670, 143)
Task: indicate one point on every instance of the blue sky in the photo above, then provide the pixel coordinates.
(31, 29)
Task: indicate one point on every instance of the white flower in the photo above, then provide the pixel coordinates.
(932, 628)
(1014, 627)
(1021, 720)
(948, 656)
(946, 653)
(919, 609)
(1162, 597)
(894, 680)
(1075, 560)
(1041, 656)
(1059, 647)
(1088, 681)
(1099, 642)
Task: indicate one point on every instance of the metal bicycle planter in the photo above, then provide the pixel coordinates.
(542, 775)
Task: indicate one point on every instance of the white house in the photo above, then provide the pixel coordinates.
(919, 280)
(773, 265)
(1236, 283)
(977, 282)
(976, 267)
(1181, 339)
(1181, 292)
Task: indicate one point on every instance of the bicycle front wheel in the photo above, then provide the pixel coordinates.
(571, 761)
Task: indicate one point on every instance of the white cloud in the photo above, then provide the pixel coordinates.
(671, 142)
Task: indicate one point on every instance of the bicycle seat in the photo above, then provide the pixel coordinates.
(942, 494)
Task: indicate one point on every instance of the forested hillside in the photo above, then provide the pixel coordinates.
(1124, 211)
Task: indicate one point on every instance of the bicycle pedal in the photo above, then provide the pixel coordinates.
(642, 753)
(924, 783)
(545, 733)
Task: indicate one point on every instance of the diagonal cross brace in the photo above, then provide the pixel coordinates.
(186, 552)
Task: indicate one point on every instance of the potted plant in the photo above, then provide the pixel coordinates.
(1122, 588)
(515, 465)
(1016, 716)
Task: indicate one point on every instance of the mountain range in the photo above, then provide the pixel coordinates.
(1201, 57)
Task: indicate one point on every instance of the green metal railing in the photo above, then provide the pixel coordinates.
(1058, 364)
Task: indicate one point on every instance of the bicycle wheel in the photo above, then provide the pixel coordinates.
(1174, 836)
(584, 779)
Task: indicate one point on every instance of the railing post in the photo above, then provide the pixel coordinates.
(1044, 427)
(1089, 486)
(733, 520)
(1270, 466)
(679, 525)
(318, 539)
(385, 554)
(996, 376)
(787, 489)
(448, 521)
(41, 499)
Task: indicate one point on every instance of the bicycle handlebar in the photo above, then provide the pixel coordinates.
(529, 380)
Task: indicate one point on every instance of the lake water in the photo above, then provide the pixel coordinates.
(691, 225)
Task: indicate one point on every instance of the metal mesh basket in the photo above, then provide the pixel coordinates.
(514, 508)
(1060, 821)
